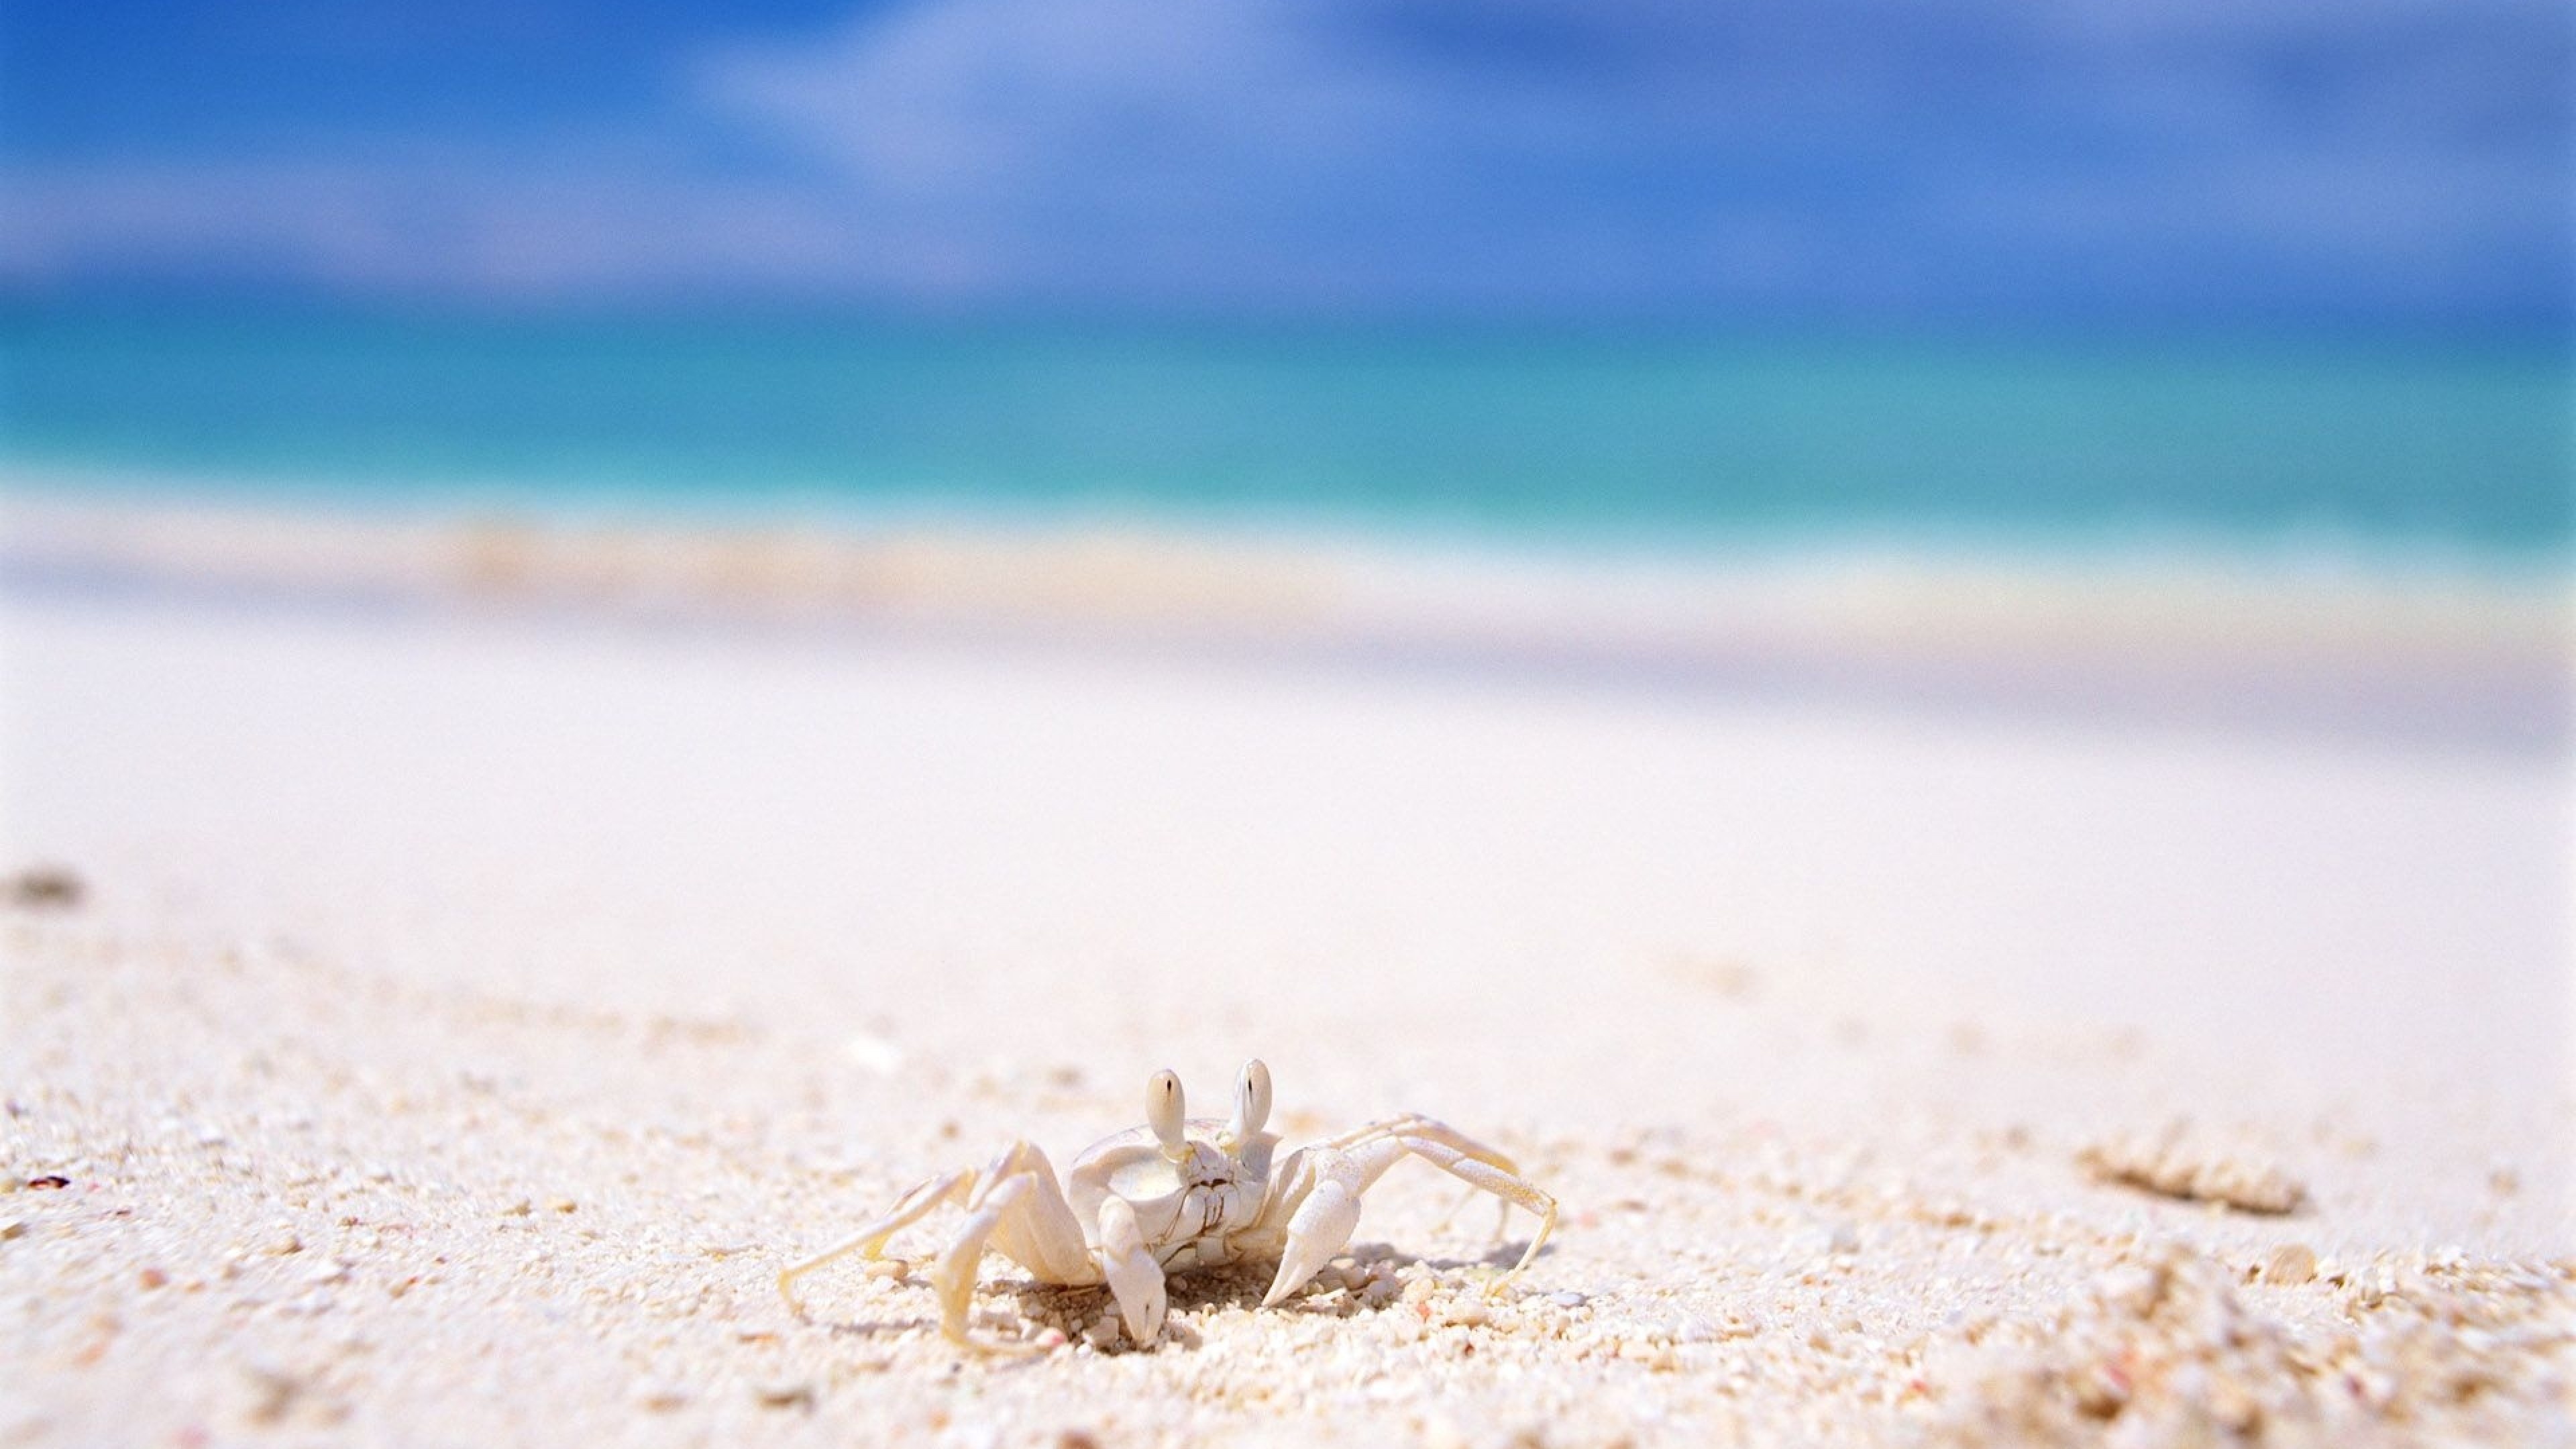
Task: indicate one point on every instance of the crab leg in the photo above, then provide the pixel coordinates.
(1014, 1206)
(1043, 1236)
(1135, 1279)
(1325, 1183)
(870, 1241)
(1414, 1124)
(1459, 1156)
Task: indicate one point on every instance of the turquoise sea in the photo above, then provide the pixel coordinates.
(1661, 439)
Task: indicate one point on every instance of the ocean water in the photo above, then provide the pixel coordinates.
(1657, 440)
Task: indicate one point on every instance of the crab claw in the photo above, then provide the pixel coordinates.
(1135, 1279)
(1323, 1223)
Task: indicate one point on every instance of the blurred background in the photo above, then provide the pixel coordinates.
(2255, 275)
(1941, 349)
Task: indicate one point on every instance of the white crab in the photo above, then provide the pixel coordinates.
(1176, 1194)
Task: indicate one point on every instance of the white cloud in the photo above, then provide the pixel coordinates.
(956, 98)
(1800, 153)
(475, 224)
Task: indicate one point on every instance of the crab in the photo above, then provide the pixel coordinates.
(1177, 1194)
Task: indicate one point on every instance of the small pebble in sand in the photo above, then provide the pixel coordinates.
(2171, 1164)
(660, 1398)
(1724, 975)
(265, 1394)
(2290, 1263)
(44, 887)
(874, 1053)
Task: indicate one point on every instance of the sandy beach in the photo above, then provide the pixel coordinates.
(451, 1006)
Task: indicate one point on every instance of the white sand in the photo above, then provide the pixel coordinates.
(470, 1011)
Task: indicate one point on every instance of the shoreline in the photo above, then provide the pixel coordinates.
(2428, 651)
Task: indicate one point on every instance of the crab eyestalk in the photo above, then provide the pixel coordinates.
(1251, 1105)
(1163, 1108)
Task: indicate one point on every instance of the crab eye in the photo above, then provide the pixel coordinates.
(1163, 1108)
(1251, 1099)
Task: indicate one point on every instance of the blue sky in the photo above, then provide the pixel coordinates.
(1901, 161)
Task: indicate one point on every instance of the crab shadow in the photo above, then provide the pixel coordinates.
(1201, 1291)
(1072, 1311)
(868, 1328)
